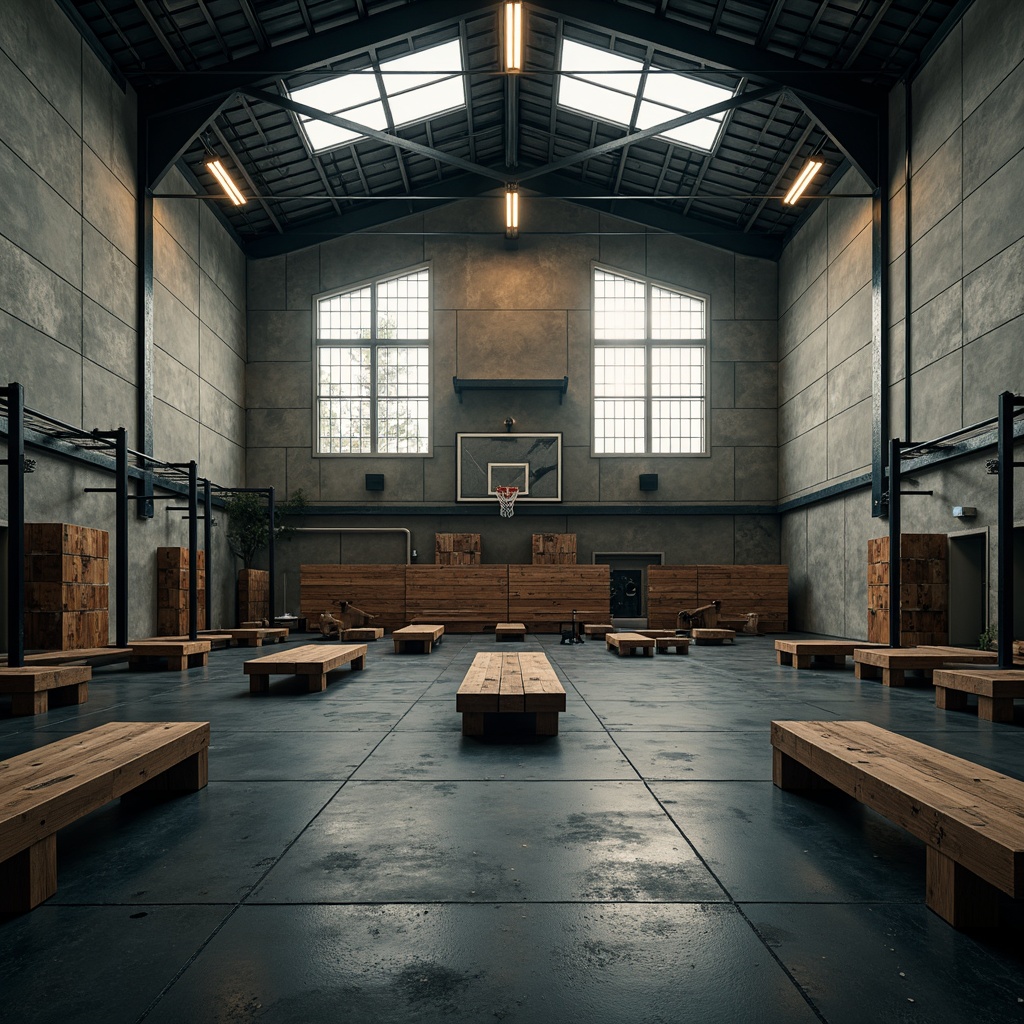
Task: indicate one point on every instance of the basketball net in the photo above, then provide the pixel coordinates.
(507, 499)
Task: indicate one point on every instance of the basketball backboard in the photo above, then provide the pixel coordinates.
(531, 462)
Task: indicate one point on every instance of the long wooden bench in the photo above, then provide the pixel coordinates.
(424, 635)
(46, 789)
(82, 656)
(500, 683)
(627, 643)
(995, 688)
(712, 637)
(968, 816)
(255, 636)
(893, 663)
(803, 653)
(179, 654)
(368, 633)
(679, 644)
(36, 688)
(314, 661)
(510, 631)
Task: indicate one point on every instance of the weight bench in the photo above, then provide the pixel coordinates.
(801, 653)
(426, 634)
(313, 661)
(499, 683)
(968, 816)
(179, 654)
(49, 788)
(627, 643)
(36, 688)
(892, 663)
(995, 688)
(680, 644)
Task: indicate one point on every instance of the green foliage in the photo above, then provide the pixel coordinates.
(248, 530)
(987, 640)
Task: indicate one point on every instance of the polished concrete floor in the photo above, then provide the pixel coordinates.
(354, 858)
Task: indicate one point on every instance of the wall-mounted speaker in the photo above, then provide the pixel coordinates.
(375, 481)
(648, 481)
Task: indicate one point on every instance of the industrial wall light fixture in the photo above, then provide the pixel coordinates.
(512, 211)
(803, 179)
(514, 37)
(216, 168)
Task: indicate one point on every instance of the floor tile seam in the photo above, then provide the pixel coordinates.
(481, 903)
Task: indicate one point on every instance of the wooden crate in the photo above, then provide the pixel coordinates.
(172, 591)
(544, 596)
(457, 549)
(377, 589)
(924, 590)
(463, 598)
(554, 549)
(67, 570)
(253, 595)
(670, 590)
(763, 589)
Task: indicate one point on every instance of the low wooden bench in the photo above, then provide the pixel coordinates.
(655, 634)
(46, 789)
(35, 689)
(81, 656)
(179, 654)
(510, 631)
(968, 816)
(712, 637)
(598, 630)
(627, 643)
(217, 641)
(995, 688)
(893, 663)
(499, 683)
(256, 635)
(426, 634)
(802, 653)
(366, 633)
(313, 661)
(679, 644)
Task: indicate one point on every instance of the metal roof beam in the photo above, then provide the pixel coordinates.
(855, 135)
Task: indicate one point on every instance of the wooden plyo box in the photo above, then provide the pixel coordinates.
(253, 595)
(172, 590)
(457, 548)
(554, 549)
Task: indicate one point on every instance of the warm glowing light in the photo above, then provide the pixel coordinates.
(803, 180)
(512, 211)
(514, 36)
(216, 168)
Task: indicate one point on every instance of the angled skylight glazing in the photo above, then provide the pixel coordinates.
(607, 85)
(413, 88)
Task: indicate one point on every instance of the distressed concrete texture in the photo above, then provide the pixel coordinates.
(802, 264)
(107, 204)
(108, 401)
(175, 383)
(849, 382)
(221, 365)
(936, 396)
(937, 185)
(987, 228)
(279, 428)
(266, 282)
(179, 216)
(722, 381)
(278, 386)
(279, 335)
(496, 343)
(804, 411)
(850, 270)
(354, 258)
(825, 581)
(994, 131)
(266, 467)
(793, 552)
(756, 385)
(994, 293)
(219, 256)
(937, 259)
(757, 289)
(303, 473)
(849, 441)
(860, 528)
(51, 373)
(850, 327)
(757, 540)
(219, 414)
(989, 56)
(847, 218)
(697, 267)
(108, 275)
(756, 474)
(803, 366)
(108, 342)
(708, 478)
(937, 93)
(220, 314)
(174, 268)
(302, 278)
(749, 340)
(992, 363)
(109, 120)
(38, 297)
(749, 427)
(805, 316)
(175, 326)
(937, 327)
(803, 462)
(344, 480)
(176, 434)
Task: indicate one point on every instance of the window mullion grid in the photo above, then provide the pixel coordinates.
(374, 443)
(648, 369)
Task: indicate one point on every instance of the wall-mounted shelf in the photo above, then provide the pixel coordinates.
(559, 384)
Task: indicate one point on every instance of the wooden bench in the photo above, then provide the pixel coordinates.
(426, 634)
(500, 683)
(217, 641)
(81, 656)
(35, 689)
(510, 631)
(46, 789)
(712, 637)
(801, 653)
(627, 643)
(995, 688)
(367, 633)
(968, 816)
(893, 663)
(679, 644)
(313, 661)
(254, 636)
(179, 654)
(598, 630)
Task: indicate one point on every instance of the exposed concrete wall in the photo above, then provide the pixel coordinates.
(966, 306)
(68, 271)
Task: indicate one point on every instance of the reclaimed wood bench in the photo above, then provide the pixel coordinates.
(366, 633)
(179, 654)
(510, 631)
(599, 630)
(627, 643)
(500, 683)
(654, 634)
(679, 644)
(425, 635)
(893, 663)
(255, 636)
(35, 689)
(802, 653)
(712, 637)
(995, 688)
(46, 789)
(314, 661)
(968, 816)
(82, 656)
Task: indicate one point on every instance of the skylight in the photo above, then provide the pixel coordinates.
(595, 80)
(415, 87)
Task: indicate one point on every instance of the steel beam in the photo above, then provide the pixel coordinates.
(15, 525)
(895, 528)
(880, 420)
(1004, 553)
(193, 551)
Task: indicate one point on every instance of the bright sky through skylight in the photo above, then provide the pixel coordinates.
(605, 85)
(411, 97)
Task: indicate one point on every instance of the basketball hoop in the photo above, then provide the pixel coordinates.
(507, 499)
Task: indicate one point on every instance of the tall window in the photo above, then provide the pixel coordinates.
(373, 368)
(650, 357)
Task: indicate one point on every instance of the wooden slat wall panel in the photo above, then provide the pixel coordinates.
(748, 588)
(542, 596)
(459, 591)
(377, 589)
(554, 549)
(670, 590)
(457, 548)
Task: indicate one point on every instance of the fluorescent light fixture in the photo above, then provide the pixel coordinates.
(513, 36)
(803, 179)
(511, 211)
(216, 168)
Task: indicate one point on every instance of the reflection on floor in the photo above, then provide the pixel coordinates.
(355, 858)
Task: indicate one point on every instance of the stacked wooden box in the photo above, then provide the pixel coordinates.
(66, 587)
(554, 549)
(253, 595)
(456, 548)
(924, 590)
(377, 589)
(172, 590)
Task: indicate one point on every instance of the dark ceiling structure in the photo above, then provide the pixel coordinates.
(215, 77)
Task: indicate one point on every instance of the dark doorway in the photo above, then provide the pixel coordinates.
(627, 593)
(968, 588)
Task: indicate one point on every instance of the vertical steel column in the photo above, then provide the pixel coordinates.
(1004, 553)
(15, 525)
(207, 541)
(121, 536)
(193, 555)
(144, 332)
(271, 560)
(895, 528)
(879, 345)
